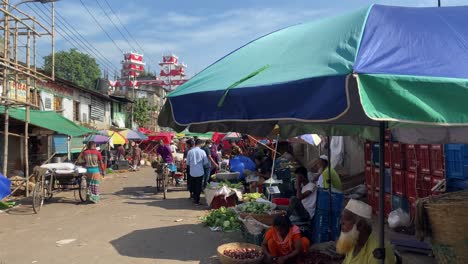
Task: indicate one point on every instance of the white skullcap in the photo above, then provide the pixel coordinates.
(359, 208)
(324, 157)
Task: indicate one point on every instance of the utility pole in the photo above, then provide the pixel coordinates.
(6, 56)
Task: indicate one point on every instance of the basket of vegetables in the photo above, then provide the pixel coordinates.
(260, 211)
(240, 253)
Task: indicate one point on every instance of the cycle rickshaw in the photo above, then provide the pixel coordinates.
(54, 178)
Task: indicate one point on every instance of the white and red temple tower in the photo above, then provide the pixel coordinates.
(172, 72)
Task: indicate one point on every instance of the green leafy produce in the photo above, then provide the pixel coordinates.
(255, 208)
(230, 184)
(226, 218)
(251, 196)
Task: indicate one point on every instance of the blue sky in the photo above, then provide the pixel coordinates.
(198, 31)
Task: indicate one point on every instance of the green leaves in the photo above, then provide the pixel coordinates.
(75, 67)
(141, 111)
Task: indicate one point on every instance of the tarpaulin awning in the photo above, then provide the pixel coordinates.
(49, 120)
(165, 136)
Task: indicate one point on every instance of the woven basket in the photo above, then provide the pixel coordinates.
(448, 216)
(228, 260)
(266, 219)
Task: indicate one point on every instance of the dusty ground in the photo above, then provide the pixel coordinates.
(130, 225)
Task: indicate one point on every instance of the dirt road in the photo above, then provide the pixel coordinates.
(130, 225)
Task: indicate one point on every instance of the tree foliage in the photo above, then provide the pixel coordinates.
(75, 67)
(141, 111)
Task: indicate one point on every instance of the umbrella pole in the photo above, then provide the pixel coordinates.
(330, 225)
(273, 165)
(381, 253)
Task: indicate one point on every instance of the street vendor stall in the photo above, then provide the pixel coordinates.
(344, 81)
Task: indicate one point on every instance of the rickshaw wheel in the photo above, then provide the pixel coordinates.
(83, 189)
(38, 196)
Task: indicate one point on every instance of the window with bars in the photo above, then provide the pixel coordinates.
(76, 111)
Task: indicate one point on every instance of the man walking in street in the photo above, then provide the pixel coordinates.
(207, 167)
(197, 160)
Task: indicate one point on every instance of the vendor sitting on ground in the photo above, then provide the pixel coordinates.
(321, 166)
(264, 164)
(357, 241)
(283, 242)
(302, 206)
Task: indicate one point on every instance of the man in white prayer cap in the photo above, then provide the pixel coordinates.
(320, 166)
(357, 241)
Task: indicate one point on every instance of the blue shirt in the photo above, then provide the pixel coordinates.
(197, 159)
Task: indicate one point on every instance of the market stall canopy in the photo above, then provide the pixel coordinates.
(49, 120)
(338, 76)
(165, 136)
(115, 136)
(207, 135)
(133, 135)
(98, 139)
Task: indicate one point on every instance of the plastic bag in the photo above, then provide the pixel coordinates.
(398, 218)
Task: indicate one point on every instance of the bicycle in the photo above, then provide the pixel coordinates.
(163, 175)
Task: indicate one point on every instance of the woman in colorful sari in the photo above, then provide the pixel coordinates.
(92, 160)
(283, 243)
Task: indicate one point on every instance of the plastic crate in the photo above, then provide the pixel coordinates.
(323, 200)
(411, 158)
(398, 182)
(388, 154)
(437, 160)
(368, 172)
(376, 153)
(454, 185)
(321, 225)
(400, 202)
(388, 179)
(410, 184)
(376, 179)
(424, 165)
(398, 156)
(280, 201)
(424, 186)
(370, 197)
(388, 204)
(412, 204)
(368, 153)
(456, 161)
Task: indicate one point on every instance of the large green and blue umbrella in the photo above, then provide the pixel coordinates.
(340, 75)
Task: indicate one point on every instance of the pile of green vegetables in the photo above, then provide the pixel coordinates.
(255, 208)
(226, 218)
(248, 197)
(228, 184)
